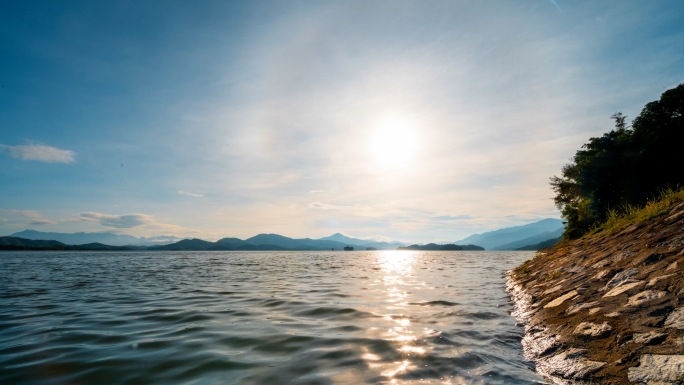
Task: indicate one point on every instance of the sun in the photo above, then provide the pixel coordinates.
(394, 142)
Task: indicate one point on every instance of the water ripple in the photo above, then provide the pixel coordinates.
(256, 318)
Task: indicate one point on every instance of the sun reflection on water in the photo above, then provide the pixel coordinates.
(398, 278)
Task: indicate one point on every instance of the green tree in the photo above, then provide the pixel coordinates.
(625, 166)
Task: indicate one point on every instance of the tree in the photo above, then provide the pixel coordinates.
(625, 166)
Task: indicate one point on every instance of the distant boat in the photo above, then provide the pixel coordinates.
(348, 248)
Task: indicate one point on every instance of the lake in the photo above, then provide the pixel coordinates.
(358, 317)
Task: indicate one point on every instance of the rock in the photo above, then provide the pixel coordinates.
(600, 274)
(594, 310)
(591, 329)
(673, 266)
(658, 369)
(675, 319)
(623, 288)
(613, 314)
(570, 365)
(649, 338)
(622, 277)
(579, 306)
(645, 296)
(558, 301)
(656, 279)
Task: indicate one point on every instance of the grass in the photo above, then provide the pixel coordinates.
(620, 219)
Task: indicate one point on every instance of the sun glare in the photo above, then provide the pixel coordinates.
(394, 142)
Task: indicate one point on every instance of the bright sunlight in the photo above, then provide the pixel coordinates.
(394, 142)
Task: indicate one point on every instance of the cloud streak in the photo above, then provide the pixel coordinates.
(40, 153)
(190, 194)
(118, 221)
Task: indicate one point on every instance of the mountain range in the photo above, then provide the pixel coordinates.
(517, 237)
(528, 237)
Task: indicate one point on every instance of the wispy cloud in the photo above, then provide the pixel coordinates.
(315, 192)
(190, 194)
(40, 153)
(118, 221)
(326, 206)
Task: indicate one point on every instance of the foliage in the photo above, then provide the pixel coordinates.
(629, 215)
(625, 167)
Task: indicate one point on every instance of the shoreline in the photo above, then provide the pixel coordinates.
(607, 308)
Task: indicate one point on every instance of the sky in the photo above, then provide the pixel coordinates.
(418, 121)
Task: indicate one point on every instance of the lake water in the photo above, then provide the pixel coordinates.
(376, 317)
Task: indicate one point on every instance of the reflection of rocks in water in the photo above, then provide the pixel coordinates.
(607, 308)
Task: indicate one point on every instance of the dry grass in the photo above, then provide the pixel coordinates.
(618, 220)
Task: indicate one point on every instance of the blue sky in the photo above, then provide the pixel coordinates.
(409, 120)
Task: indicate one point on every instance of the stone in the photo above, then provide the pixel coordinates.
(649, 338)
(600, 274)
(645, 296)
(591, 329)
(656, 279)
(673, 266)
(623, 288)
(622, 277)
(570, 365)
(579, 306)
(594, 310)
(675, 319)
(658, 369)
(558, 301)
(613, 314)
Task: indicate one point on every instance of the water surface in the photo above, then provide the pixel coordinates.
(381, 317)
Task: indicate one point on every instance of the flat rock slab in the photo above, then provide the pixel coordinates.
(558, 301)
(675, 319)
(571, 365)
(658, 369)
(648, 338)
(591, 329)
(644, 297)
(623, 287)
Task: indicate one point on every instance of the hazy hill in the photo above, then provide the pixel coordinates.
(511, 238)
(85, 238)
(17, 243)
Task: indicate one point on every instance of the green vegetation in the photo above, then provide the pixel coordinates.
(622, 170)
(618, 220)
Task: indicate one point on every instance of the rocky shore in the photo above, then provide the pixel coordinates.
(607, 308)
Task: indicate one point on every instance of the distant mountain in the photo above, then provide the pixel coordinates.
(511, 238)
(85, 238)
(16, 243)
(533, 240)
(541, 245)
(433, 246)
(365, 243)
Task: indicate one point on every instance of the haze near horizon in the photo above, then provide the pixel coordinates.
(412, 121)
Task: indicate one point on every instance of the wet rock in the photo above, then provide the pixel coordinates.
(644, 297)
(558, 301)
(658, 369)
(571, 365)
(675, 319)
(591, 329)
(623, 287)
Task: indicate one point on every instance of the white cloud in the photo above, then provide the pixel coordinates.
(190, 194)
(118, 221)
(40, 153)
